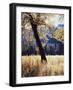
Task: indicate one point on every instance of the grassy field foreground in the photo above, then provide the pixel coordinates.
(31, 66)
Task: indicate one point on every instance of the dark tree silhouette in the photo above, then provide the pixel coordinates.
(34, 25)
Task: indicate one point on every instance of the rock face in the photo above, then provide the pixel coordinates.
(54, 47)
(59, 34)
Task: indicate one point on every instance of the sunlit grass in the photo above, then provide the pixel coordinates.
(32, 66)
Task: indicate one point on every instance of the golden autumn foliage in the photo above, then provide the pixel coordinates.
(59, 34)
(32, 66)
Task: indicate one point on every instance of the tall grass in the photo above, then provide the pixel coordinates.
(31, 66)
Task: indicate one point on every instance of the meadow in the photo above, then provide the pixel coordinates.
(31, 66)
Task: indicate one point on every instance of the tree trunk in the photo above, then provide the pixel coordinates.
(42, 53)
(34, 28)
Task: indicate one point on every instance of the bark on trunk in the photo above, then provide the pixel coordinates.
(34, 28)
(42, 53)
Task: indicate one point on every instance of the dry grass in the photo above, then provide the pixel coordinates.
(32, 66)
